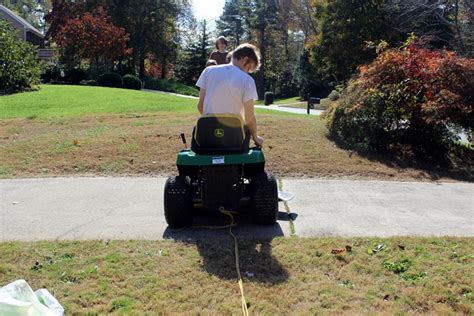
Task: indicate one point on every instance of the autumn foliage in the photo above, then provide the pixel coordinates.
(411, 97)
(94, 37)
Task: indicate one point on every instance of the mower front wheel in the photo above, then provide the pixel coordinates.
(178, 202)
(265, 198)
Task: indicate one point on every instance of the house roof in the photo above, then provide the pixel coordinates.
(19, 19)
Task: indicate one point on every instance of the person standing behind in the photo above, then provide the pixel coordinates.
(220, 55)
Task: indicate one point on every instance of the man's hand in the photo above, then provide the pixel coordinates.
(258, 141)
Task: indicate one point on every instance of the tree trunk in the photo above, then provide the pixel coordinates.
(262, 79)
(164, 69)
(141, 72)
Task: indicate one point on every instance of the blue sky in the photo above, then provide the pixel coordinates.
(207, 9)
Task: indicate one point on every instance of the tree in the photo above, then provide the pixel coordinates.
(344, 29)
(64, 10)
(439, 23)
(153, 26)
(94, 37)
(230, 22)
(427, 19)
(260, 17)
(308, 78)
(20, 68)
(194, 57)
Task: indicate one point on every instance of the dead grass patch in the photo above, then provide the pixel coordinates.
(147, 144)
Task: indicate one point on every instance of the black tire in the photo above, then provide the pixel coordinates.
(265, 199)
(178, 201)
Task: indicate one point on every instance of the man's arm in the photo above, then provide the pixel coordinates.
(251, 122)
(200, 105)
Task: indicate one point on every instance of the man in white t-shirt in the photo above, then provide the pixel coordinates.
(229, 89)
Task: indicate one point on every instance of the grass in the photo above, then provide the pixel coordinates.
(324, 105)
(281, 276)
(81, 130)
(67, 101)
(171, 86)
(281, 101)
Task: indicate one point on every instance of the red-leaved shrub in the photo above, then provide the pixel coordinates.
(410, 96)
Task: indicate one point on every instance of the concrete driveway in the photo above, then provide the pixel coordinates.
(132, 208)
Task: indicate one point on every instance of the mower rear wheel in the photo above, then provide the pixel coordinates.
(178, 201)
(265, 199)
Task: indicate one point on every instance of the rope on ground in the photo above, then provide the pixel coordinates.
(237, 263)
(236, 253)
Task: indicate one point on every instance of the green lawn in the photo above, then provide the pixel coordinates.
(171, 86)
(283, 276)
(67, 101)
(324, 105)
(70, 101)
(282, 101)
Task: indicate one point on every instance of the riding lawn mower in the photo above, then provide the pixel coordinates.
(220, 172)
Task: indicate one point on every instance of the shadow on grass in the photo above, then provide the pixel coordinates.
(458, 166)
(216, 247)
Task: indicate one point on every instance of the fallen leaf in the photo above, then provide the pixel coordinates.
(348, 248)
(401, 247)
(337, 251)
(386, 298)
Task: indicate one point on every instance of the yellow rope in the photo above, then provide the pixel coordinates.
(237, 264)
(236, 251)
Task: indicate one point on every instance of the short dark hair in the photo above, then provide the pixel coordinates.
(211, 62)
(249, 51)
(221, 38)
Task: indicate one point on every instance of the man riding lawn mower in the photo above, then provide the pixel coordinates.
(221, 172)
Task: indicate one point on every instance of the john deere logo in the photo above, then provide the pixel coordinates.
(219, 133)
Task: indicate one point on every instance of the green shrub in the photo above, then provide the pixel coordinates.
(132, 82)
(75, 75)
(110, 79)
(411, 100)
(20, 68)
(51, 73)
(268, 98)
(170, 86)
(334, 95)
(89, 82)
